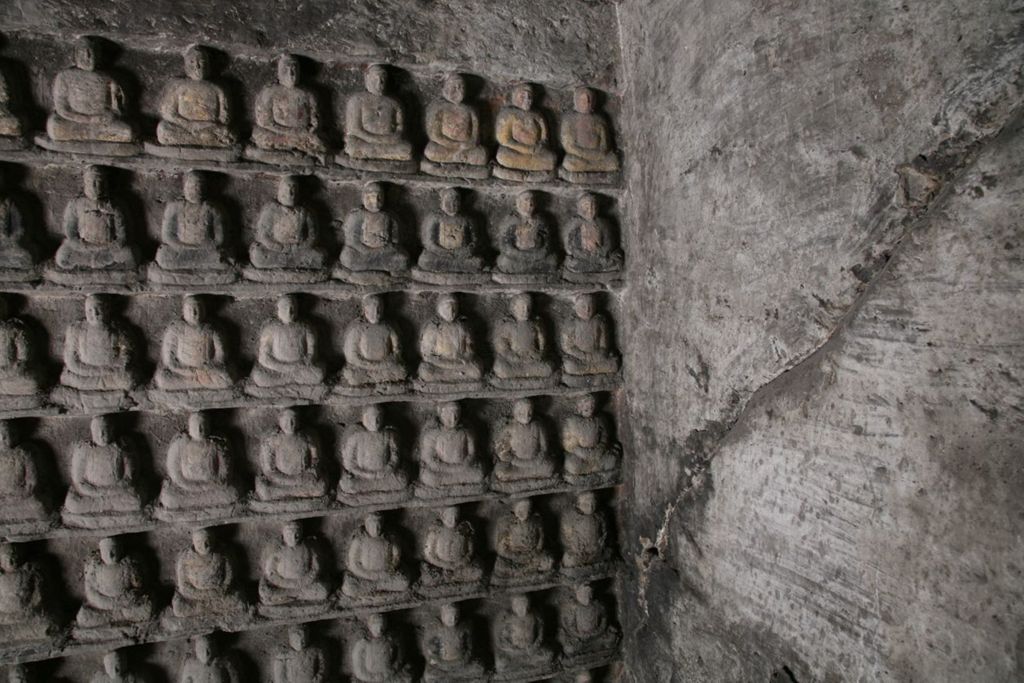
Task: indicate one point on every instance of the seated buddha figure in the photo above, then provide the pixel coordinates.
(116, 669)
(372, 251)
(193, 249)
(116, 592)
(585, 628)
(375, 137)
(24, 494)
(526, 250)
(591, 458)
(373, 353)
(96, 248)
(12, 131)
(207, 665)
(291, 475)
(589, 245)
(448, 646)
(524, 151)
(371, 466)
(106, 482)
(292, 582)
(376, 657)
(200, 481)
(287, 126)
(299, 660)
(99, 359)
(193, 366)
(453, 131)
(522, 557)
(588, 357)
(450, 566)
(584, 532)
(17, 246)
(447, 457)
(524, 458)
(373, 566)
(286, 248)
(287, 362)
(586, 139)
(449, 239)
(195, 118)
(205, 584)
(88, 109)
(26, 601)
(20, 368)
(520, 644)
(449, 362)
(521, 356)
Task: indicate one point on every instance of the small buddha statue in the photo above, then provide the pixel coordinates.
(524, 151)
(117, 594)
(591, 458)
(285, 250)
(375, 137)
(293, 582)
(450, 566)
(20, 367)
(116, 669)
(377, 657)
(287, 362)
(291, 477)
(207, 665)
(521, 356)
(590, 251)
(25, 599)
(24, 494)
(587, 142)
(449, 240)
(373, 566)
(20, 673)
(195, 116)
(287, 128)
(524, 458)
(453, 131)
(585, 539)
(106, 491)
(89, 114)
(200, 481)
(99, 358)
(372, 470)
(194, 250)
(588, 357)
(584, 625)
(205, 582)
(448, 362)
(447, 457)
(12, 130)
(373, 353)
(372, 253)
(526, 253)
(299, 661)
(193, 368)
(17, 247)
(96, 248)
(520, 644)
(522, 555)
(448, 646)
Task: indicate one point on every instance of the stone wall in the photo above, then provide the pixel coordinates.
(825, 210)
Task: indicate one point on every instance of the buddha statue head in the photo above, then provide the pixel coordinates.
(8, 556)
(198, 426)
(522, 411)
(205, 648)
(86, 53)
(449, 414)
(454, 88)
(6, 434)
(584, 677)
(447, 307)
(586, 503)
(194, 187)
(526, 203)
(584, 593)
(586, 405)
(449, 516)
(197, 62)
(373, 524)
(520, 306)
(376, 79)
(586, 206)
(192, 310)
(100, 429)
(449, 614)
(451, 201)
(288, 308)
(287, 190)
(375, 624)
(115, 665)
(110, 550)
(288, 71)
(372, 418)
(373, 197)
(19, 673)
(583, 100)
(584, 306)
(298, 637)
(521, 509)
(291, 533)
(94, 182)
(95, 309)
(202, 541)
(373, 306)
(522, 96)
(520, 605)
(288, 421)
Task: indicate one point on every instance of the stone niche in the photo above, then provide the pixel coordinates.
(310, 365)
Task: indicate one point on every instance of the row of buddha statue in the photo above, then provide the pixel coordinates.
(202, 481)
(450, 649)
(296, 582)
(99, 242)
(91, 115)
(101, 357)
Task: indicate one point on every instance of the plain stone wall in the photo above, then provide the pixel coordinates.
(825, 357)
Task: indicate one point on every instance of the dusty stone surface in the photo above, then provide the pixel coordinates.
(826, 233)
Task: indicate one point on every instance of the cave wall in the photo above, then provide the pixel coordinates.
(824, 366)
